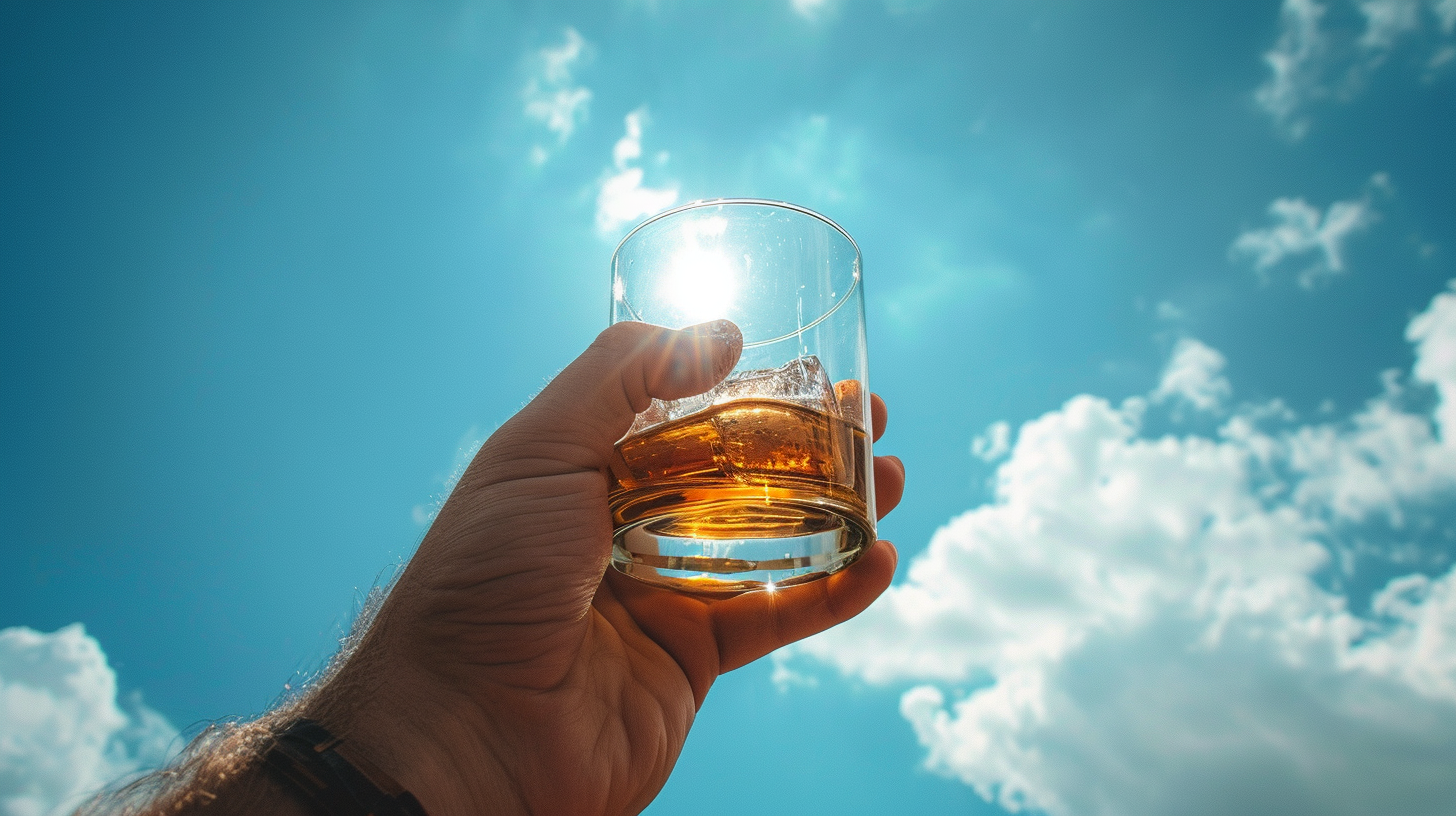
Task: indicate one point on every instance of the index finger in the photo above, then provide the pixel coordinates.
(879, 415)
(707, 635)
(751, 625)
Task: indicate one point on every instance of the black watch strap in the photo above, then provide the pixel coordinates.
(304, 758)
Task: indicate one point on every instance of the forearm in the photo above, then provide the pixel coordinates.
(384, 718)
(223, 770)
(220, 773)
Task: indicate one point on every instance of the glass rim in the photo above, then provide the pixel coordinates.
(713, 202)
(758, 202)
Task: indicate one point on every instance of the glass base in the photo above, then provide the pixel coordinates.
(731, 566)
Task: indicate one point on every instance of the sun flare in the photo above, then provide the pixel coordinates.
(700, 284)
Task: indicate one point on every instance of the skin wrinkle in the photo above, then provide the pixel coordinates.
(494, 750)
(510, 505)
(542, 467)
(624, 704)
(829, 602)
(504, 551)
(628, 704)
(683, 670)
(509, 649)
(634, 392)
(637, 399)
(593, 709)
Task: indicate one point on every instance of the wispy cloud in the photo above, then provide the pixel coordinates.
(817, 10)
(551, 95)
(1296, 63)
(1311, 62)
(1301, 232)
(934, 285)
(813, 9)
(63, 733)
(1194, 376)
(1140, 622)
(623, 198)
(819, 159)
(1387, 21)
(992, 443)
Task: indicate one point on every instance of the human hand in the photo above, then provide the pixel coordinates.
(510, 671)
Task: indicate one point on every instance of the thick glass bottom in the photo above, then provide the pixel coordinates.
(656, 551)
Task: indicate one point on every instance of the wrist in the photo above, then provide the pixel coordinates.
(221, 773)
(428, 740)
(332, 777)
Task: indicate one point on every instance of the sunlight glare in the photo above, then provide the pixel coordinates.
(701, 284)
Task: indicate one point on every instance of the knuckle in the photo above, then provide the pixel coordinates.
(623, 337)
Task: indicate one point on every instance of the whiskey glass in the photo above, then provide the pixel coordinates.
(766, 480)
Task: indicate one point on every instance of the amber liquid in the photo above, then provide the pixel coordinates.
(746, 469)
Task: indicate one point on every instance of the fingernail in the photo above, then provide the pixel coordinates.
(726, 341)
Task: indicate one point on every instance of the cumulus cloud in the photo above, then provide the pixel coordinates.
(63, 733)
(1153, 625)
(1194, 375)
(623, 198)
(551, 96)
(994, 443)
(1301, 232)
(1434, 333)
(1312, 62)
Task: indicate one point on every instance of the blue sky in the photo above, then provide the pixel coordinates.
(1150, 296)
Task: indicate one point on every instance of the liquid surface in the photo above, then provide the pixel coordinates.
(746, 469)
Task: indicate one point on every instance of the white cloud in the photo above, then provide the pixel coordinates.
(1445, 11)
(1167, 311)
(623, 199)
(821, 160)
(1147, 625)
(936, 285)
(816, 10)
(1301, 231)
(1194, 375)
(550, 96)
(993, 443)
(1434, 333)
(1444, 56)
(1295, 63)
(1310, 63)
(812, 9)
(1386, 21)
(63, 734)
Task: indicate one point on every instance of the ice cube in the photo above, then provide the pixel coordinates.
(802, 381)
(850, 396)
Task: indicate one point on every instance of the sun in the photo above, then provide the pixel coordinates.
(700, 285)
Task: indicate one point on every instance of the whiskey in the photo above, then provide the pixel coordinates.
(752, 488)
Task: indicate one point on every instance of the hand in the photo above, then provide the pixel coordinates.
(510, 671)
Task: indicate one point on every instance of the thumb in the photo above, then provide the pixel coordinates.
(591, 404)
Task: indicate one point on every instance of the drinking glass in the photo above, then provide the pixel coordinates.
(767, 479)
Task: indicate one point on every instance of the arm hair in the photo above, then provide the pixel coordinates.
(218, 770)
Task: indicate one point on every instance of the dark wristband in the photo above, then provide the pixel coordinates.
(304, 758)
